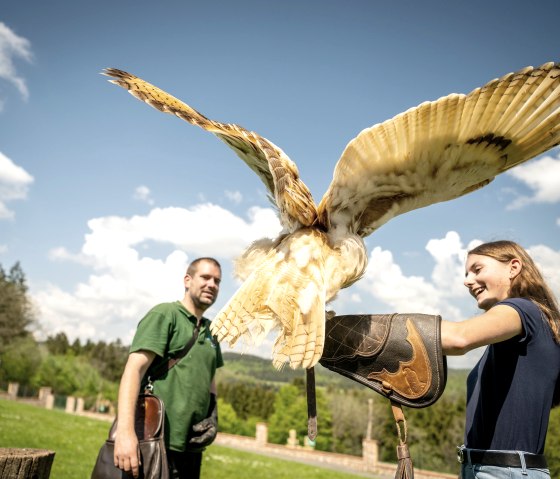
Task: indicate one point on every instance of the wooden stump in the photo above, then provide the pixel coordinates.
(25, 463)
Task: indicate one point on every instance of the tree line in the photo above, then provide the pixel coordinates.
(249, 391)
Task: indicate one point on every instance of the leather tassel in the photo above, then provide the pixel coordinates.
(405, 469)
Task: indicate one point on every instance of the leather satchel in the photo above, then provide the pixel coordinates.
(149, 423)
(397, 355)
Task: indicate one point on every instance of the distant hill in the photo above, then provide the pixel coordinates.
(256, 370)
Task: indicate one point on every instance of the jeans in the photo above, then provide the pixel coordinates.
(479, 471)
(483, 471)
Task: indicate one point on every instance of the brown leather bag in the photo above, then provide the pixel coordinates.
(149, 423)
(397, 355)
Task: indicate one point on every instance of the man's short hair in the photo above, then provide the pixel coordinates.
(192, 268)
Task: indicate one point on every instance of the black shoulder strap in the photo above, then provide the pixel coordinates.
(166, 366)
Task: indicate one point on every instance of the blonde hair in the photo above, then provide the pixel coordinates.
(529, 283)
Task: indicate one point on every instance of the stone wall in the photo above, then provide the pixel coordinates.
(368, 462)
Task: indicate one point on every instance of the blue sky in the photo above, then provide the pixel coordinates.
(104, 200)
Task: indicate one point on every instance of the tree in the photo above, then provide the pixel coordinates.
(16, 312)
(552, 448)
(290, 412)
(58, 344)
(19, 360)
(69, 375)
(228, 420)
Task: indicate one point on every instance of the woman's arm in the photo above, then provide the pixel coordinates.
(495, 325)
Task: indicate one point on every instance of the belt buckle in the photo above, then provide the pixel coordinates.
(461, 454)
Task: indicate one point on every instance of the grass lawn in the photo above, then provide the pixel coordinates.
(76, 441)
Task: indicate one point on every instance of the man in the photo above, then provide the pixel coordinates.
(188, 390)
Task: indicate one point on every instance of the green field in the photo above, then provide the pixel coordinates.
(76, 441)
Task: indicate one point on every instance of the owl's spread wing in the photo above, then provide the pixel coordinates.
(279, 174)
(443, 149)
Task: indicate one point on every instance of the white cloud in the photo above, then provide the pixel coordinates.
(542, 176)
(234, 196)
(548, 261)
(143, 193)
(125, 283)
(14, 183)
(12, 45)
(386, 282)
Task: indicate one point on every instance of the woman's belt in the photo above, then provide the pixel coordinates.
(502, 458)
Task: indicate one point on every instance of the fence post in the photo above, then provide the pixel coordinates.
(13, 389)
(79, 405)
(49, 401)
(370, 454)
(70, 404)
(261, 434)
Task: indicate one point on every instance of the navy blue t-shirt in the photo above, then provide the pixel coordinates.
(510, 391)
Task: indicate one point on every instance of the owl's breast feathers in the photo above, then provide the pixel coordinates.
(288, 290)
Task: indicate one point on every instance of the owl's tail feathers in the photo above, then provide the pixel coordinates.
(301, 343)
(243, 317)
(261, 305)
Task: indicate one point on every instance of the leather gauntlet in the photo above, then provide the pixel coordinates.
(397, 355)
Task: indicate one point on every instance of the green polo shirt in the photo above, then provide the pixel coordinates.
(184, 389)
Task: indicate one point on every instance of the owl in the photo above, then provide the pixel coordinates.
(437, 151)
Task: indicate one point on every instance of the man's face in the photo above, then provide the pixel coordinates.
(204, 285)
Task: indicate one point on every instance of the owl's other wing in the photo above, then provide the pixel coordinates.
(443, 149)
(279, 174)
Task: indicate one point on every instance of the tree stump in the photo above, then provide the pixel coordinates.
(25, 463)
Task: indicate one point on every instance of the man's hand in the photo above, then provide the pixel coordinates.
(207, 429)
(127, 454)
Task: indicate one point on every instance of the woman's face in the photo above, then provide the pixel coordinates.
(488, 280)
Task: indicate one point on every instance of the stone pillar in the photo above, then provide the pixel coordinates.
(292, 439)
(44, 393)
(13, 389)
(79, 405)
(49, 401)
(370, 454)
(261, 434)
(70, 404)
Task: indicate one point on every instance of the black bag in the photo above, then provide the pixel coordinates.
(149, 422)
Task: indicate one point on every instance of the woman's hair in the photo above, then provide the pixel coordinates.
(529, 283)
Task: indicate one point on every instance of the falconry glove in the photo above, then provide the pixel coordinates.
(397, 355)
(205, 431)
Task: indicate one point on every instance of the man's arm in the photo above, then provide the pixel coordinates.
(126, 443)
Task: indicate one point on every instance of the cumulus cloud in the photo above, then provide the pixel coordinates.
(548, 261)
(542, 177)
(14, 184)
(143, 193)
(235, 196)
(126, 281)
(385, 281)
(13, 46)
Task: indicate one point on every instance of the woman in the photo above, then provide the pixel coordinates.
(511, 390)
